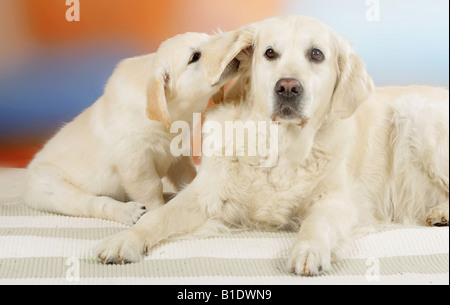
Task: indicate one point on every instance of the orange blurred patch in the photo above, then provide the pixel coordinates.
(18, 156)
(143, 23)
(98, 19)
(148, 22)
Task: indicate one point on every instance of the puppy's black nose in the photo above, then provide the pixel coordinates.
(288, 87)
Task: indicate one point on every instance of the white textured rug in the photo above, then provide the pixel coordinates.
(43, 248)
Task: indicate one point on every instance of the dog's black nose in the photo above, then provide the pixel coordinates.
(288, 87)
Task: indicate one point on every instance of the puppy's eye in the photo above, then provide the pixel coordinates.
(271, 54)
(317, 55)
(195, 57)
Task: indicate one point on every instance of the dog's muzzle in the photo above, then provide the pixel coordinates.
(288, 88)
(288, 97)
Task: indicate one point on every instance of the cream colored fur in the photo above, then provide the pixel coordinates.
(357, 157)
(109, 161)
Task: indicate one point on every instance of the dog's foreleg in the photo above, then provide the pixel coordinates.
(182, 215)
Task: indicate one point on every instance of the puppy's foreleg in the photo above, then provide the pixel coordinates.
(182, 215)
(182, 172)
(143, 184)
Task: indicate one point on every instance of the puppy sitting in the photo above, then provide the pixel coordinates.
(109, 161)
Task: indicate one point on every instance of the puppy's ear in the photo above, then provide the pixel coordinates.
(224, 54)
(156, 98)
(353, 85)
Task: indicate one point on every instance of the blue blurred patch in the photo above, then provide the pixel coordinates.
(409, 44)
(54, 87)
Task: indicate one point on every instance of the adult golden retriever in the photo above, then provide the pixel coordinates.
(109, 161)
(349, 155)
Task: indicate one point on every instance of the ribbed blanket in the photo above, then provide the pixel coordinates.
(43, 248)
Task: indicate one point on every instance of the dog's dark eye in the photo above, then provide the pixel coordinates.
(271, 54)
(195, 57)
(317, 55)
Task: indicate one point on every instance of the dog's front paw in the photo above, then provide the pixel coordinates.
(121, 248)
(132, 212)
(308, 259)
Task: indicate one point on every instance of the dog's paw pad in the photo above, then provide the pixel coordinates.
(307, 260)
(438, 216)
(132, 212)
(121, 248)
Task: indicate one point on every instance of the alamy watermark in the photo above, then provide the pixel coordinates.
(73, 12)
(373, 271)
(373, 12)
(73, 270)
(229, 139)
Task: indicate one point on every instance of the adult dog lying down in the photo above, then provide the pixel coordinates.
(109, 161)
(349, 156)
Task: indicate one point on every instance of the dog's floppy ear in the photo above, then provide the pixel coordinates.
(223, 55)
(156, 98)
(353, 85)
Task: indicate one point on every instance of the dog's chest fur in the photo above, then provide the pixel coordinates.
(244, 193)
(274, 197)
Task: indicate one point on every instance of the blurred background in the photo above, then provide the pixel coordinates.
(51, 69)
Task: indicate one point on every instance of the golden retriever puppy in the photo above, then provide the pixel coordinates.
(109, 161)
(348, 155)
